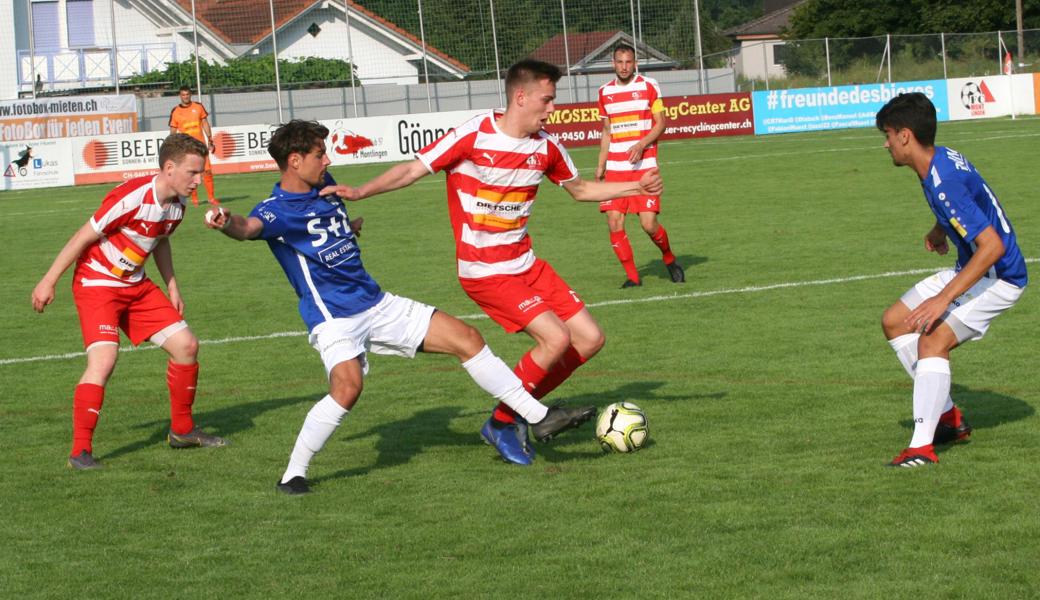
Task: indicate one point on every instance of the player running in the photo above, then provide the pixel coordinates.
(112, 292)
(191, 118)
(952, 306)
(346, 311)
(633, 118)
(495, 163)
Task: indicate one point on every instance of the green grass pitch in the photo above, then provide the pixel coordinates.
(772, 397)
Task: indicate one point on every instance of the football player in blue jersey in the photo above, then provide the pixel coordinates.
(955, 305)
(348, 314)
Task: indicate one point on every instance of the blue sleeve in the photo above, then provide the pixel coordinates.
(274, 223)
(957, 206)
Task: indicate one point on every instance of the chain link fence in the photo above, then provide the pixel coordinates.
(273, 60)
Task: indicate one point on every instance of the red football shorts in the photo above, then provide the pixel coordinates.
(140, 310)
(630, 204)
(513, 301)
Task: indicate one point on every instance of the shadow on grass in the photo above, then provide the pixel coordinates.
(984, 409)
(656, 268)
(225, 422)
(397, 442)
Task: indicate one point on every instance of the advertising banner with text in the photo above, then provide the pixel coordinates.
(43, 163)
(24, 120)
(389, 138)
(840, 107)
(996, 96)
(688, 117)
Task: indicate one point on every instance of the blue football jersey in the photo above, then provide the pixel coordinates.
(964, 206)
(310, 237)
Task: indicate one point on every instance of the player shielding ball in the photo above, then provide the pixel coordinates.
(956, 305)
(495, 163)
(633, 118)
(113, 293)
(346, 311)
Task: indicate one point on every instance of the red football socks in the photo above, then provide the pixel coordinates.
(181, 379)
(660, 239)
(559, 372)
(86, 408)
(623, 250)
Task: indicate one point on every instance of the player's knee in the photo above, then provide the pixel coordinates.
(470, 342)
(892, 321)
(345, 391)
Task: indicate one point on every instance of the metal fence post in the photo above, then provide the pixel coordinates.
(888, 51)
(827, 50)
(498, 67)
(426, 66)
(350, 54)
(566, 49)
(195, 42)
(942, 44)
(765, 64)
(115, 48)
(274, 50)
(32, 50)
(697, 41)
(635, 43)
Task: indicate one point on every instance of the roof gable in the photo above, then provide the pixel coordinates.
(591, 51)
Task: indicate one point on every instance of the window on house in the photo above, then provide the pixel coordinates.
(46, 35)
(779, 54)
(80, 19)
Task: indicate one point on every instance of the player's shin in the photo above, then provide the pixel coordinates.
(323, 419)
(931, 388)
(559, 372)
(86, 408)
(181, 381)
(495, 378)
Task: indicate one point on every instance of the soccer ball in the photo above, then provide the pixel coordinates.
(622, 427)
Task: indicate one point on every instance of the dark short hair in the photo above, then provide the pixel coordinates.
(295, 137)
(528, 71)
(913, 111)
(184, 88)
(623, 47)
(178, 145)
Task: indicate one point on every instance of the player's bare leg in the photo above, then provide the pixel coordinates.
(346, 381)
(648, 221)
(87, 401)
(622, 248)
(182, 377)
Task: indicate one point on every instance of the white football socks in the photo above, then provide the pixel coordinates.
(931, 388)
(497, 379)
(323, 418)
(905, 347)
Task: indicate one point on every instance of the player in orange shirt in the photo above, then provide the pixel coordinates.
(191, 118)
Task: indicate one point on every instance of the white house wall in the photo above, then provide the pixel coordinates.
(377, 61)
(756, 60)
(8, 66)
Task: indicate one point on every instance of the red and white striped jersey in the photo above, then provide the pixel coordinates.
(492, 182)
(131, 223)
(631, 109)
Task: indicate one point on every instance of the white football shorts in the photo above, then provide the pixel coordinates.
(395, 326)
(974, 310)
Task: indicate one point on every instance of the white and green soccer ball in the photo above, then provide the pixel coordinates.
(622, 427)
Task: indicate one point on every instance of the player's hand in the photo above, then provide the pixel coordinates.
(218, 218)
(651, 183)
(355, 226)
(927, 315)
(175, 296)
(635, 153)
(936, 242)
(343, 191)
(601, 172)
(42, 295)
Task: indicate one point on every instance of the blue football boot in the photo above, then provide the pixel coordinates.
(508, 442)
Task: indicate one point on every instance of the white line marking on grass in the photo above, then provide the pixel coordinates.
(480, 316)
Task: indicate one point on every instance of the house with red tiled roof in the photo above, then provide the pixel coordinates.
(591, 52)
(73, 41)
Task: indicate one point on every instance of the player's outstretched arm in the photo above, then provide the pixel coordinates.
(43, 293)
(597, 191)
(394, 178)
(234, 226)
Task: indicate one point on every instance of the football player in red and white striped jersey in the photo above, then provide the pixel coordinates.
(633, 118)
(112, 292)
(495, 163)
